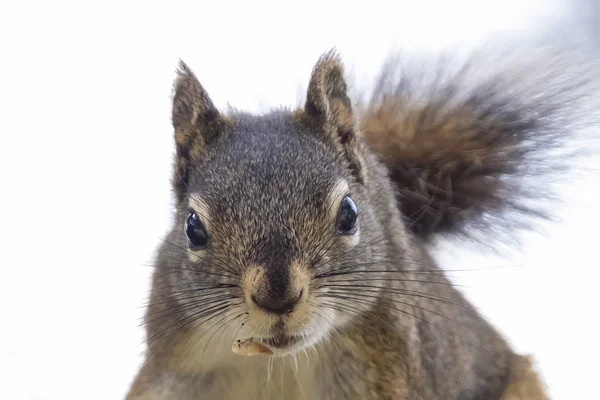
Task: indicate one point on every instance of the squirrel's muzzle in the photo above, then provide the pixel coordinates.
(276, 291)
(282, 304)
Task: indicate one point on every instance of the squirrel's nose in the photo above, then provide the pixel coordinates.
(277, 304)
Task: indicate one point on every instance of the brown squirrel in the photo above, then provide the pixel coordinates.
(300, 236)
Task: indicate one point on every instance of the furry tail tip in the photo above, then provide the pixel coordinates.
(474, 146)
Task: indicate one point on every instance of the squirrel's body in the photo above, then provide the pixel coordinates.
(351, 311)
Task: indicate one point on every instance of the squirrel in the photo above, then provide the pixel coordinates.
(304, 233)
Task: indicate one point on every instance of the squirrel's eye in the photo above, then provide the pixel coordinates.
(347, 220)
(195, 232)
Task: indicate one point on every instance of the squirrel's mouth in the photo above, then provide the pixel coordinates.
(281, 341)
(280, 344)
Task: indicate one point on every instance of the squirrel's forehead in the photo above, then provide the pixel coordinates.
(278, 188)
(270, 204)
(269, 164)
(265, 188)
(266, 170)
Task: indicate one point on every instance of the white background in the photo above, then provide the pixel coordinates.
(85, 151)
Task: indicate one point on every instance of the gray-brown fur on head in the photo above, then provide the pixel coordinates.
(268, 189)
(382, 319)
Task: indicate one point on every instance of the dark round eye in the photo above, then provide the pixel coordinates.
(195, 232)
(347, 220)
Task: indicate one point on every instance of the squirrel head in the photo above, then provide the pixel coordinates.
(271, 211)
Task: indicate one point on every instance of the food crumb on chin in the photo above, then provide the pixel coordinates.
(249, 347)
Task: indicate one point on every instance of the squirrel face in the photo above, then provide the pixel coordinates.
(271, 209)
(274, 221)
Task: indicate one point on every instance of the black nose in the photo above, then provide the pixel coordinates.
(277, 304)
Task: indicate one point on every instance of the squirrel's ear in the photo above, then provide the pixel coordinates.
(328, 104)
(197, 123)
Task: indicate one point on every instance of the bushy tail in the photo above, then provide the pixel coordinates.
(475, 144)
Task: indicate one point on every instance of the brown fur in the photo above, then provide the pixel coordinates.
(374, 317)
(524, 383)
(328, 103)
(462, 156)
(193, 113)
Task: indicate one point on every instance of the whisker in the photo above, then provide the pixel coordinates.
(163, 268)
(361, 297)
(205, 316)
(171, 296)
(404, 292)
(215, 262)
(394, 280)
(225, 324)
(194, 317)
(352, 312)
(179, 308)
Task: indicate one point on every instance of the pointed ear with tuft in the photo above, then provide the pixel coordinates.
(197, 124)
(329, 106)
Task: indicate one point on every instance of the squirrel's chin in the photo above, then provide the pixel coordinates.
(293, 346)
(276, 346)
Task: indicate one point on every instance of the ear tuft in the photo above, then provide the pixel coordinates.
(197, 123)
(191, 103)
(328, 104)
(327, 98)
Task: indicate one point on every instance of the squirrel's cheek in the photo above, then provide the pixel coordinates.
(351, 241)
